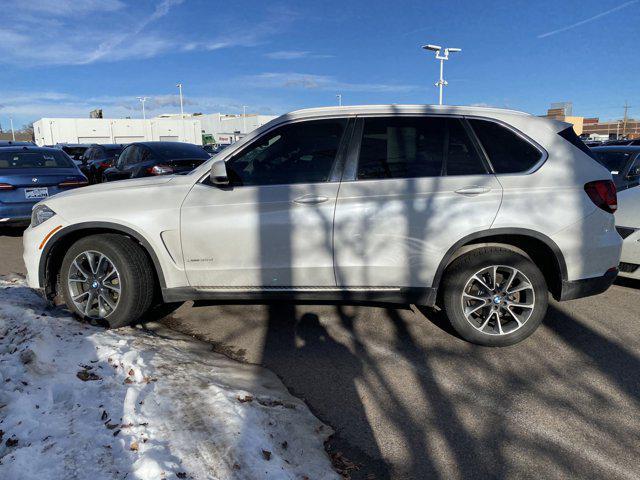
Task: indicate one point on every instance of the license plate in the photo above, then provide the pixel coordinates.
(36, 192)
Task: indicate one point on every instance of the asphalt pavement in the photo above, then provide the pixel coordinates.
(410, 400)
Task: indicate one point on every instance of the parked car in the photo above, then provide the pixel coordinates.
(98, 158)
(147, 159)
(74, 150)
(213, 149)
(11, 143)
(624, 164)
(29, 174)
(480, 211)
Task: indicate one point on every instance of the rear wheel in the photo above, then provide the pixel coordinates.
(107, 277)
(494, 296)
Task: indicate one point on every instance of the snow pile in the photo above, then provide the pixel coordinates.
(77, 401)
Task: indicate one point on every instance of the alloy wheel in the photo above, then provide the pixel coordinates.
(94, 284)
(498, 300)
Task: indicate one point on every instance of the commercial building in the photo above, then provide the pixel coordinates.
(50, 131)
(563, 111)
(226, 129)
(629, 128)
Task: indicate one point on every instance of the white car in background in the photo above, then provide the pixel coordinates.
(624, 164)
(480, 211)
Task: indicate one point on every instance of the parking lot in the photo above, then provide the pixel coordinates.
(408, 399)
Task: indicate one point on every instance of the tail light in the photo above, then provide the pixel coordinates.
(106, 164)
(603, 194)
(6, 186)
(160, 170)
(73, 183)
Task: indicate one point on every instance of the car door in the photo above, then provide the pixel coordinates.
(271, 228)
(126, 164)
(413, 186)
(628, 185)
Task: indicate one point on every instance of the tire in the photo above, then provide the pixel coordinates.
(119, 298)
(495, 316)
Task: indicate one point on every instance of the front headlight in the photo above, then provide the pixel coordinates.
(39, 214)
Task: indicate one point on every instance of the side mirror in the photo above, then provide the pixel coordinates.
(218, 174)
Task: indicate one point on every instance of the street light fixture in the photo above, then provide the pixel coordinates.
(244, 119)
(142, 100)
(179, 85)
(442, 57)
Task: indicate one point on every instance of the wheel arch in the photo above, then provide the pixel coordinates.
(54, 249)
(541, 249)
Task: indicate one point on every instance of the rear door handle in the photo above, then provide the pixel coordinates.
(473, 190)
(311, 199)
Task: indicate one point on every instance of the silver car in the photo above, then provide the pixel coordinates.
(479, 211)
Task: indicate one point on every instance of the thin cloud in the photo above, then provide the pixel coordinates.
(294, 55)
(588, 20)
(308, 81)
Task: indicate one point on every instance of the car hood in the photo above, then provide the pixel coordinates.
(119, 185)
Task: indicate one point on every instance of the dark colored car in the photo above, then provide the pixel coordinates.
(11, 143)
(98, 158)
(622, 161)
(156, 158)
(74, 150)
(212, 149)
(28, 174)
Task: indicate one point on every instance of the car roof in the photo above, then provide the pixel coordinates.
(617, 148)
(108, 145)
(390, 109)
(29, 148)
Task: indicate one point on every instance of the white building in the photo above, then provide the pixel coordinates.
(50, 131)
(228, 128)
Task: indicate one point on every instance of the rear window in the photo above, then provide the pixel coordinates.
(113, 152)
(507, 151)
(178, 151)
(570, 136)
(613, 161)
(31, 159)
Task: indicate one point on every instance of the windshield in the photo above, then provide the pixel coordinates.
(113, 152)
(613, 161)
(180, 151)
(35, 159)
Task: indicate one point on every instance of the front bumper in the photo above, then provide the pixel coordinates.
(588, 286)
(630, 258)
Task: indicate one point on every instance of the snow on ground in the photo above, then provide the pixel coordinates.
(80, 402)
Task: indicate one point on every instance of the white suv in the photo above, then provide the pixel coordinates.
(480, 211)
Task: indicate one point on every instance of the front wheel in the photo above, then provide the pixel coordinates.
(494, 296)
(108, 278)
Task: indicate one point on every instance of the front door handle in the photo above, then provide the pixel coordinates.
(311, 199)
(473, 190)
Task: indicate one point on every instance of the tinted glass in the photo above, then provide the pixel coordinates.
(462, 157)
(416, 147)
(176, 151)
(112, 152)
(507, 151)
(297, 153)
(35, 159)
(613, 161)
(570, 135)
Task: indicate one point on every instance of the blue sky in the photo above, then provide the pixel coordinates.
(64, 57)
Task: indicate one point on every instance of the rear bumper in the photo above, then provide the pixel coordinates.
(19, 213)
(588, 286)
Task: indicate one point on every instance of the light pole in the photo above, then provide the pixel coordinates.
(179, 85)
(244, 119)
(442, 57)
(13, 134)
(142, 100)
(339, 97)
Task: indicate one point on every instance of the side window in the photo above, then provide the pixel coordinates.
(413, 147)
(507, 152)
(87, 154)
(297, 153)
(98, 153)
(135, 155)
(123, 159)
